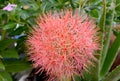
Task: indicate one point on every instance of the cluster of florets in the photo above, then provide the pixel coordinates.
(62, 44)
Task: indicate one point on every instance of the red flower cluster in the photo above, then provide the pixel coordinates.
(63, 44)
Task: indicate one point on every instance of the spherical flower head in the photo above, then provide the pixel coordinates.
(62, 44)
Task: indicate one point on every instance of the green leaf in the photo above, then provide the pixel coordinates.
(1, 57)
(48, 5)
(10, 53)
(16, 65)
(6, 76)
(114, 75)
(2, 65)
(26, 1)
(117, 7)
(34, 6)
(111, 55)
(23, 14)
(94, 13)
(2, 12)
(6, 43)
(9, 25)
(1, 78)
(77, 78)
(18, 31)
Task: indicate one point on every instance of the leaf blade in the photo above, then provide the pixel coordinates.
(16, 65)
(114, 75)
(111, 55)
(10, 53)
(6, 76)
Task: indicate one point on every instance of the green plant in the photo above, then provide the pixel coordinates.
(15, 24)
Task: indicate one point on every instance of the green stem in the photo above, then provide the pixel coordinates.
(106, 44)
(3, 34)
(102, 29)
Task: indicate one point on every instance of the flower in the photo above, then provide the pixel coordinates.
(62, 44)
(9, 7)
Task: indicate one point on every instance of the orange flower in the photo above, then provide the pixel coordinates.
(63, 44)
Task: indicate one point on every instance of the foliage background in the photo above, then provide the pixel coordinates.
(14, 26)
